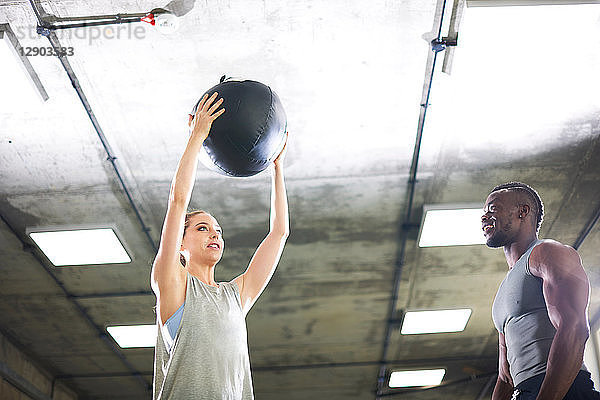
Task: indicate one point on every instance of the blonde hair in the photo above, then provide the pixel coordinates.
(188, 217)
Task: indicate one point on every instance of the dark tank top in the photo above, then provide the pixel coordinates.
(519, 312)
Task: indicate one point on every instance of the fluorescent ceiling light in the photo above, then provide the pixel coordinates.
(19, 81)
(451, 227)
(426, 377)
(81, 247)
(133, 335)
(416, 322)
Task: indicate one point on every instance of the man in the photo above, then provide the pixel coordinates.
(540, 310)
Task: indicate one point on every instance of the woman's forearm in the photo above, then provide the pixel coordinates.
(183, 181)
(279, 205)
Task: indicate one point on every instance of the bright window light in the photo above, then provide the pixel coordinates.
(521, 75)
(426, 377)
(133, 335)
(81, 247)
(416, 322)
(451, 227)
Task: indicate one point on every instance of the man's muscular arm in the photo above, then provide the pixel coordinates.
(566, 292)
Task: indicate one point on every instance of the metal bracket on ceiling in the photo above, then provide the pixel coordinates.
(438, 45)
(398, 319)
(409, 226)
(42, 30)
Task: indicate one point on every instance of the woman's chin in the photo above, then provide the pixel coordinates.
(214, 258)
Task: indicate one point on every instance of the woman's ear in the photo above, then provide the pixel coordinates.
(184, 256)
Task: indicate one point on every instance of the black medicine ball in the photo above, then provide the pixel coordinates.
(245, 139)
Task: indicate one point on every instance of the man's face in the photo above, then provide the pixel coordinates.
(500, 221)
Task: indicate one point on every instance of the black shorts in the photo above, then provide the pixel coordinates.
(581, 389)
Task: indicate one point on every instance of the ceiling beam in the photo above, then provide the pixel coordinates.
(113, 294)
(21, 383)
(396, 363)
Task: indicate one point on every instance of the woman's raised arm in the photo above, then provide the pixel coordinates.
(253, 281)
(168, 275)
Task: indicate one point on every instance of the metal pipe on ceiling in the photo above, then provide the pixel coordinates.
(93, 20)
(90, 24)
(412, 181)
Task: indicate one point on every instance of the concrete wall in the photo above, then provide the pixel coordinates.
(22, 379)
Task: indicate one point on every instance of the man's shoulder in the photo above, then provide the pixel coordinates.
(552, 246)
(551, 254)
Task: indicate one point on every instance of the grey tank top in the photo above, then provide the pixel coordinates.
(519, 312)
(209, 356)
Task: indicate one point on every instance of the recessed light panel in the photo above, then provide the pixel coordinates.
(427, 377)
(451, 227)
(81, 247)
(128, 336)
(437, 321)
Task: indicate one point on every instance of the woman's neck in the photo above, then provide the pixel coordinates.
(204, 272)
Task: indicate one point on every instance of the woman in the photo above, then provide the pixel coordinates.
(201, 349)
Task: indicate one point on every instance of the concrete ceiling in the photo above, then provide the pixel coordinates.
(351, 76)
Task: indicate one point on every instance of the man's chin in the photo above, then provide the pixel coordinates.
(494, 242)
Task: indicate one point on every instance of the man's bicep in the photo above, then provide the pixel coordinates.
(565, 284)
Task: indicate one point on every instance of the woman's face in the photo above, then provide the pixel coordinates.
(204, 239)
